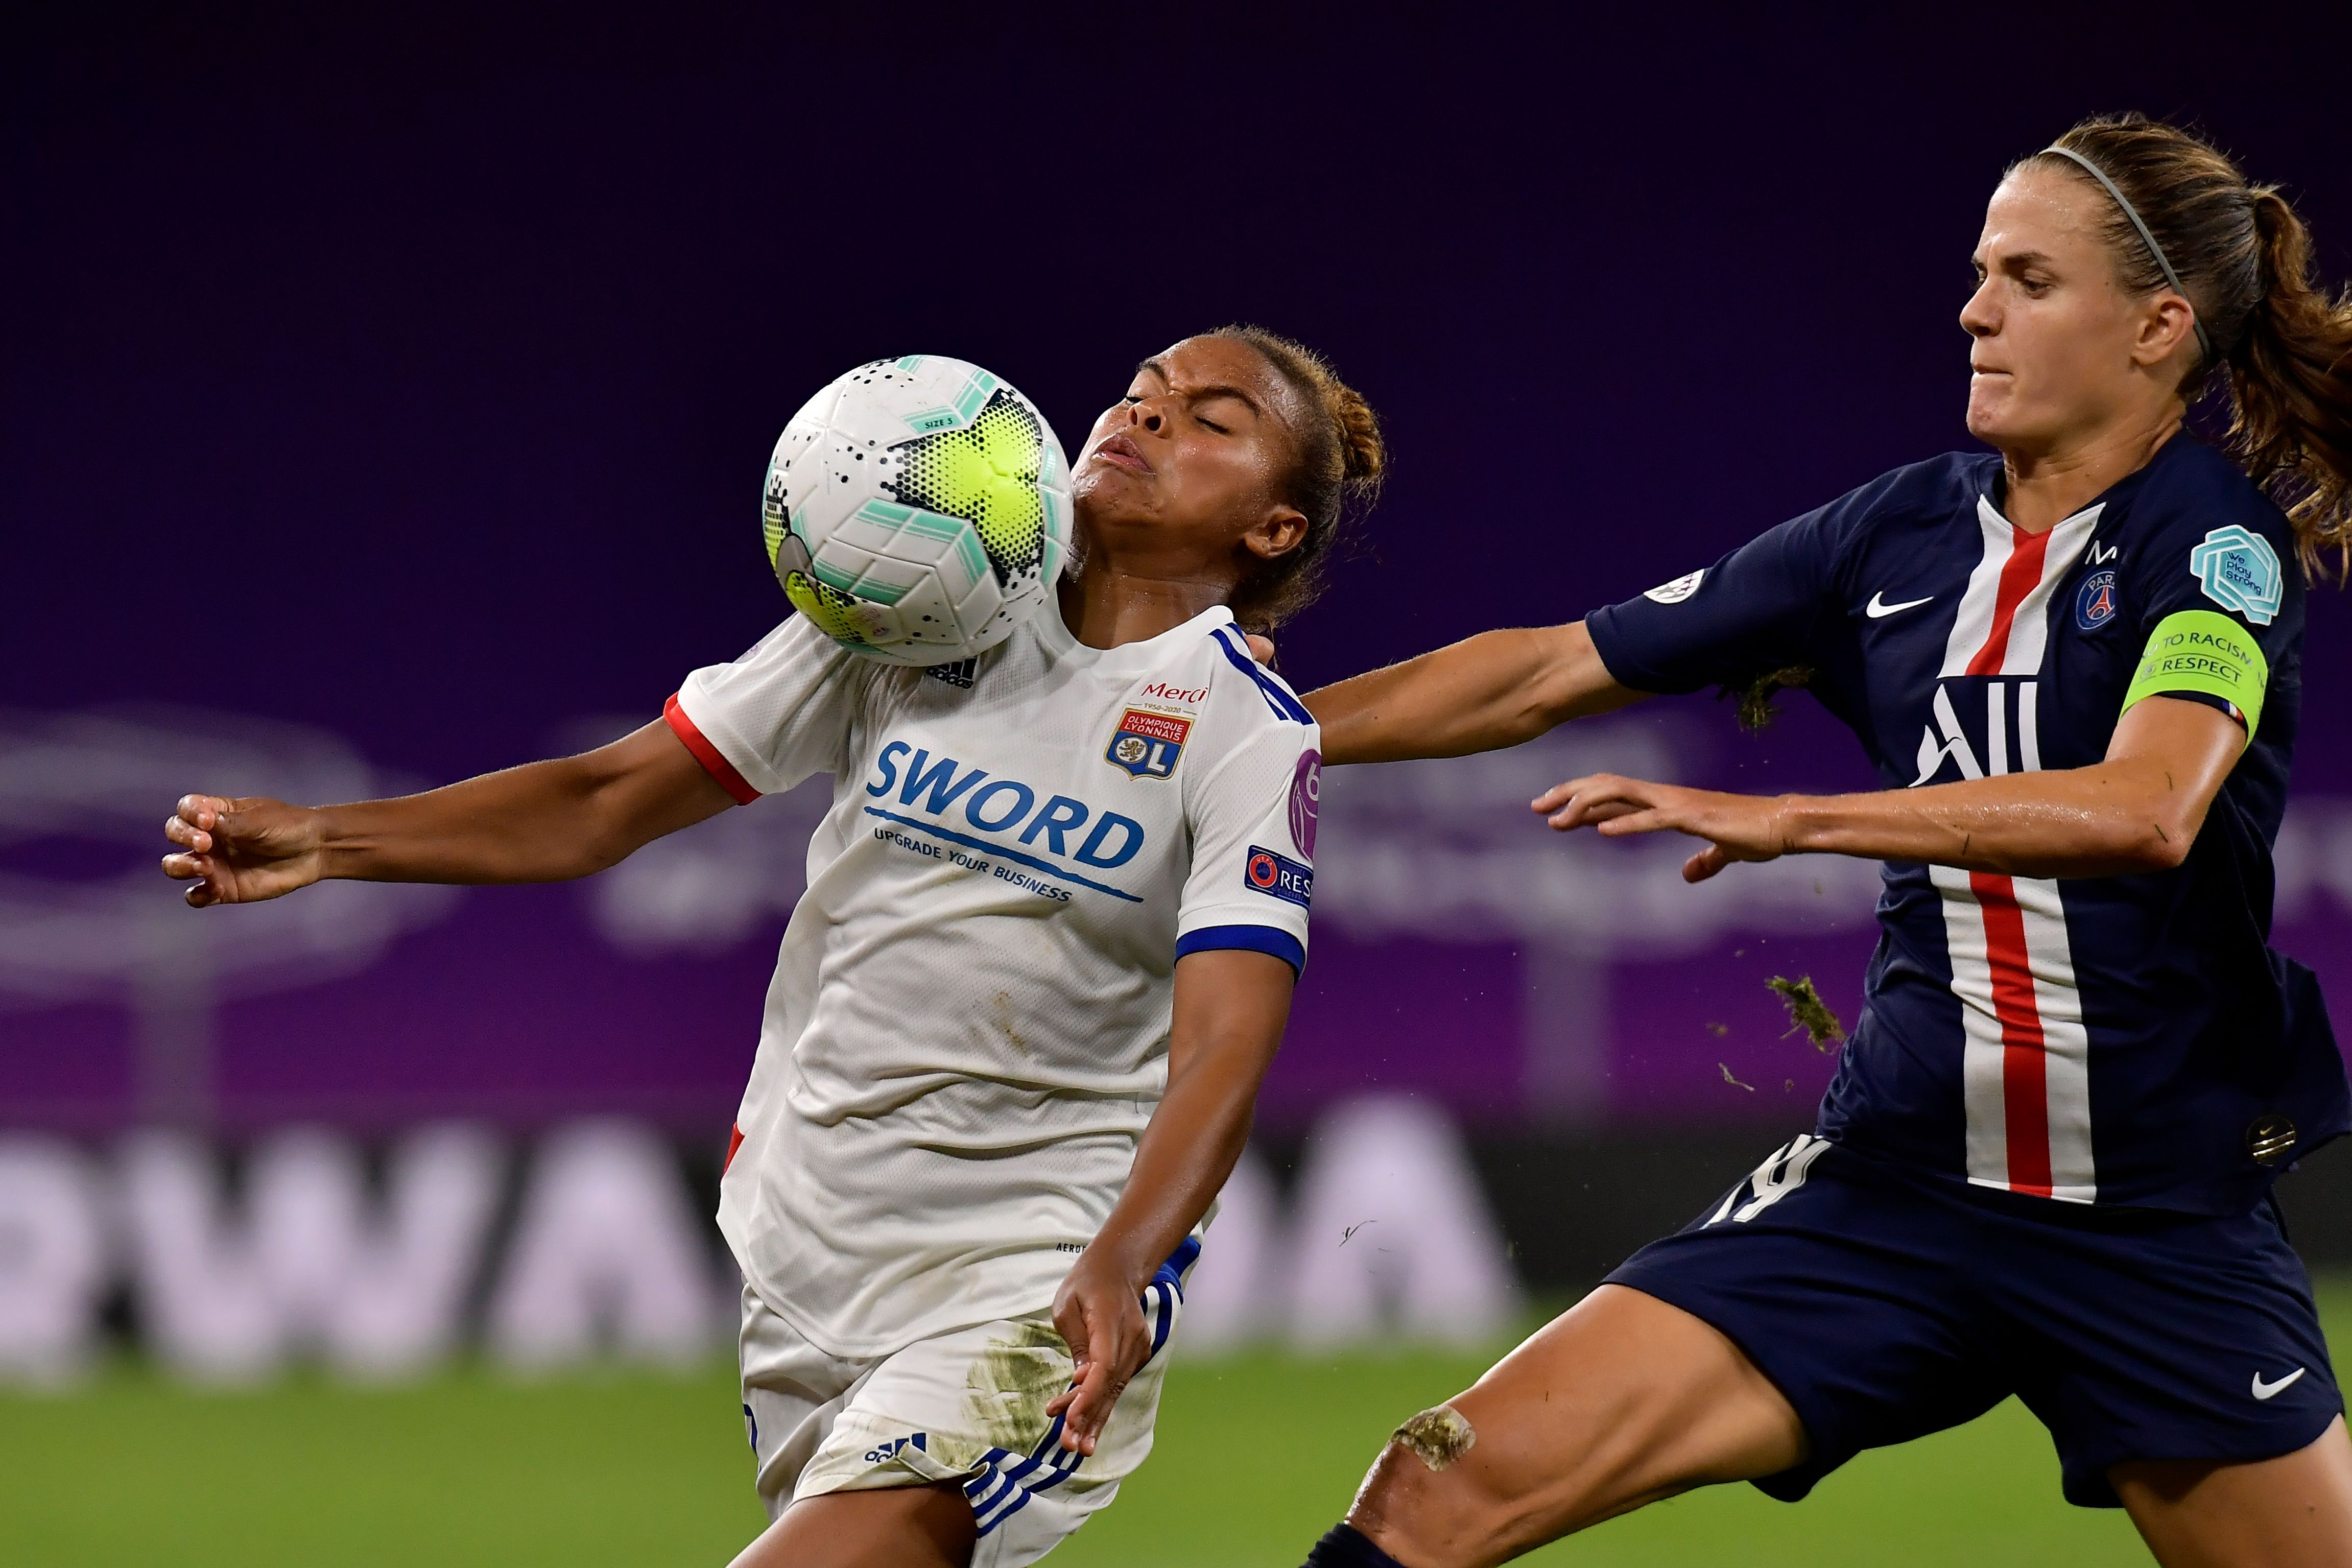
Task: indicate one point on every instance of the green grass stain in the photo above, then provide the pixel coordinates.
(1011, 1383)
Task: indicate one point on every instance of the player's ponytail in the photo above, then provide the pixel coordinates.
(1341, 460)
(2278, 346)
(2293, 384)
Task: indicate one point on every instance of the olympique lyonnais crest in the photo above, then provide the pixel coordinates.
(1148, 744)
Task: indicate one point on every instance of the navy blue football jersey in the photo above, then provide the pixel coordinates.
(2127, 1040)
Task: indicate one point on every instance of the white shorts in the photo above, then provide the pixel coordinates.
(967, 1408)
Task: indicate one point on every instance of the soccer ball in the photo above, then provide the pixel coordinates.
(918, 510)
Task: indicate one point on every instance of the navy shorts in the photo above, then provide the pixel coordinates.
(1885, 1304)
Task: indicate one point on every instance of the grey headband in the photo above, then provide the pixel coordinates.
(2204, 343)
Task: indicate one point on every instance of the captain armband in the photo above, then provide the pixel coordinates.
(2197, 650)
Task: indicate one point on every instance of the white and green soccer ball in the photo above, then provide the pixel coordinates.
(918, 510)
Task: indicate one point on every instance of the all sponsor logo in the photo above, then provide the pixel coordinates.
(1278, 876)
(1189, 696)
(1681, 588)
(2095, 604)
(2240, 571)
(1147, 745)
(1305, 794)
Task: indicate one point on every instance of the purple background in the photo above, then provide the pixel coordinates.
(415, 382)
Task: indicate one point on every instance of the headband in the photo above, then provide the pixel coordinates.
(2204, 343)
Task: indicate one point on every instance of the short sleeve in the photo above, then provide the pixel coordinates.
(2216, 595)
(1251, 815)
(780, 713)
(1755, 610)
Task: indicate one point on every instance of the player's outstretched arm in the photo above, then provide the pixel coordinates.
(2138, 809)
(1231, 1005)
(1481, 694)
(544, 822)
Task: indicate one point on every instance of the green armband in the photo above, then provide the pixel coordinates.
(2197, 650)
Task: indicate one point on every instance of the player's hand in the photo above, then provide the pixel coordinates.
(1261, 649)
(1735, 826)
(1099, 1312)
(243, 850)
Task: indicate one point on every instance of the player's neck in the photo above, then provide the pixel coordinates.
(1105, 606)
(2044, 488)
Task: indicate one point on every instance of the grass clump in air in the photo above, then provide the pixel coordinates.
(1807, 1011)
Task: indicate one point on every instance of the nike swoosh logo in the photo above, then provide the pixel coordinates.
(2265, 1389)
(1879, 608)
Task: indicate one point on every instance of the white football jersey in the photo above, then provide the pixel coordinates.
(968, 1026)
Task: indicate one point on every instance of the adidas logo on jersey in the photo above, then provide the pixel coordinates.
(960, 674)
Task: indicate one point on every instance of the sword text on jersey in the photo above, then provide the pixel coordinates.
(1007, 811)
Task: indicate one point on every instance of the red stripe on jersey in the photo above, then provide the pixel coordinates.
(706, 753)
(2019, 575)
(734, 1141)
(2025, 1067)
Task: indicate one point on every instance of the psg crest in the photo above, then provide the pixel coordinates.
(2095, 605)
(1148, 744)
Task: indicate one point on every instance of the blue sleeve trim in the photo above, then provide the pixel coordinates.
(1250, 938)
(1277, 696)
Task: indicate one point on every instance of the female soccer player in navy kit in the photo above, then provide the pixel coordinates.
(2045, 1165)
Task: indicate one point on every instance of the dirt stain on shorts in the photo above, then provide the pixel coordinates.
(1010, 1383)
(1437, 1436)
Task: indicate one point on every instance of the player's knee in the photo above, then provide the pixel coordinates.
(1420, 1502)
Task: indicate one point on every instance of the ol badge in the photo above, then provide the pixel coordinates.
(1148, 744)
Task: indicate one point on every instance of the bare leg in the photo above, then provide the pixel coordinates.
(2294, 1512)
(895, 1527)
(1619, 1401)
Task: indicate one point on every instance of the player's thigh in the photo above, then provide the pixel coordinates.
(893, 1527)
(1621, 1401)
(2294, 1512)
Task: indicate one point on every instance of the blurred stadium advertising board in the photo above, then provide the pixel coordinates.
(1463, 952)
(593, 1242)
(380, 1260)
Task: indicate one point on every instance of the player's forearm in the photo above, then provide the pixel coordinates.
(2113, 818)
(537, 823)
(1491, 691)
(543, 822)
(1231, 1006)
(1195, 1138)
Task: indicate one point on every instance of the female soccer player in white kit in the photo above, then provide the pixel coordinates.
(1020, 1013)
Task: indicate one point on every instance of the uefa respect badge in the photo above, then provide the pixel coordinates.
(2240, 571)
